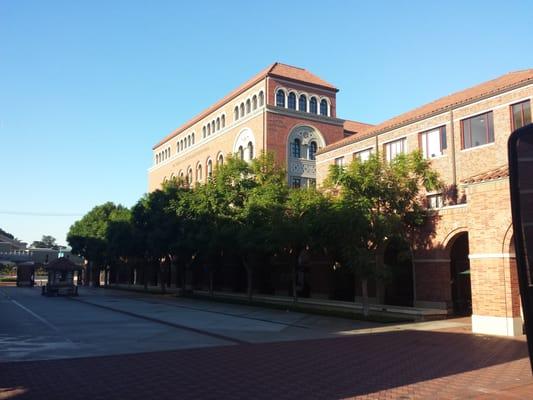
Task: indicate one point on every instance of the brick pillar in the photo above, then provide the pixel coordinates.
(495, 293)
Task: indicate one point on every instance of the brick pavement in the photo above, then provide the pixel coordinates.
(393, 365)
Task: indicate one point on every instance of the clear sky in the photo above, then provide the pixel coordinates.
(87, 87)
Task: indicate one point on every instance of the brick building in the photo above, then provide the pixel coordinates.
(283, 109)
(468, 256)
(466, 262)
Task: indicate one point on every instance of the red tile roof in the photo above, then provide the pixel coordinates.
(504, 83)
(276, 70)
(355, 127)
(498, 173)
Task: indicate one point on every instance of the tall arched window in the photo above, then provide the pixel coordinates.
(177, 147)
(248, 106)
(291, 102)
(203, 132)
(236, 113)
(254, 102)
(240, 153)
(313, 105)
(280, 98)
(296, 148)
(199, 173)
(189, 176)
(218, 123)
(242, 109)
(189, 141)
(250, 149)
(312, 150)
(323, 107)
(302, 103)
(157, 158)
(181, 144)
(192, 138)
(261, 98)
(208, 129)
(213, 126)
(223, 121)
(209, 168)
(220, 159)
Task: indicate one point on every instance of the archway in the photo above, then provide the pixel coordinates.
(398, 262)
(460, 275)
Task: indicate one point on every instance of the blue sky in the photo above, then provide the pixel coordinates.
(87, 87)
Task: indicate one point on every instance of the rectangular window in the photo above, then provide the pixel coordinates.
(433, 142)
(392, 149)
(296, 182)
(339, 162)
(478, 130)
(362, 155)
(311, 182)
(435, 201)
(521, 114)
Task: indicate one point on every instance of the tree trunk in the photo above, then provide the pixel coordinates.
(211, 273)
(364, 290)
(249, 279)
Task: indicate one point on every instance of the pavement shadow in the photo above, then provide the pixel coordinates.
(310, 369)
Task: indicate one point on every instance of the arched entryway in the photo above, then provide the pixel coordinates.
(398, 274)
(460, 275)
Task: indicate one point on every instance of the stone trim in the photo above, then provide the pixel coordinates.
(480, 256)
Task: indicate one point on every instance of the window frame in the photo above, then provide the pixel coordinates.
(522, 114)
(488, 128)
(443, 144)
(278, 98)
(357, 154)
(386, 148)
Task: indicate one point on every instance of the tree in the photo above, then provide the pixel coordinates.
(87, 236)
(46, 242)
(378, 200)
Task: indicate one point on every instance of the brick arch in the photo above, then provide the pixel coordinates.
(451, 236)
(508, 243)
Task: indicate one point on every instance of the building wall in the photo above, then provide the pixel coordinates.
(485, 214)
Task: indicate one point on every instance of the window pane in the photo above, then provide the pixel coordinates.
(478, 130)
(324, 107)
(313, 105)
(303, 103)
(527, 112)
(433, 143)
(466, 134)
(280, 99)
(443, 141)
(517, 116)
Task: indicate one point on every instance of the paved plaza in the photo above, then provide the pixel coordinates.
(109, 344)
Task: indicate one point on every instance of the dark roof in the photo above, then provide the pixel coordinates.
(276, 70)
(492, 175)
(62, 264)
(501, 84)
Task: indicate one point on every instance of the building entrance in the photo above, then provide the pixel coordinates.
(460, 276)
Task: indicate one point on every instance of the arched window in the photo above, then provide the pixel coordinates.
(208, 129)
(220, 159)
(302, 103)
(199, 173)
(181, 175)
(312, 150)
(261, 98)
(324, 107)
(157, 158)
(209, 168)
(192, 138)
(189, 141)
(177, 147)
(313, 105)
(189, 176)
(296, 148)
(242, 110)
(203, 132)
(254, 102)
(280, 98)
(218, 123)
(240, 153)
(291, 102)
(223, 121)
(248, 106)
(236, 113)
(213, 126)
(250, 149)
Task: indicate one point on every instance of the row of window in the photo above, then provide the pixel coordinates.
(249, 105)
(301, 103)
(214, 126)
(475, 131)
(162, 155)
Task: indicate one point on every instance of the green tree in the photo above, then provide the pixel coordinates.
(88, 236)
(46, 242)
(379, 200)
